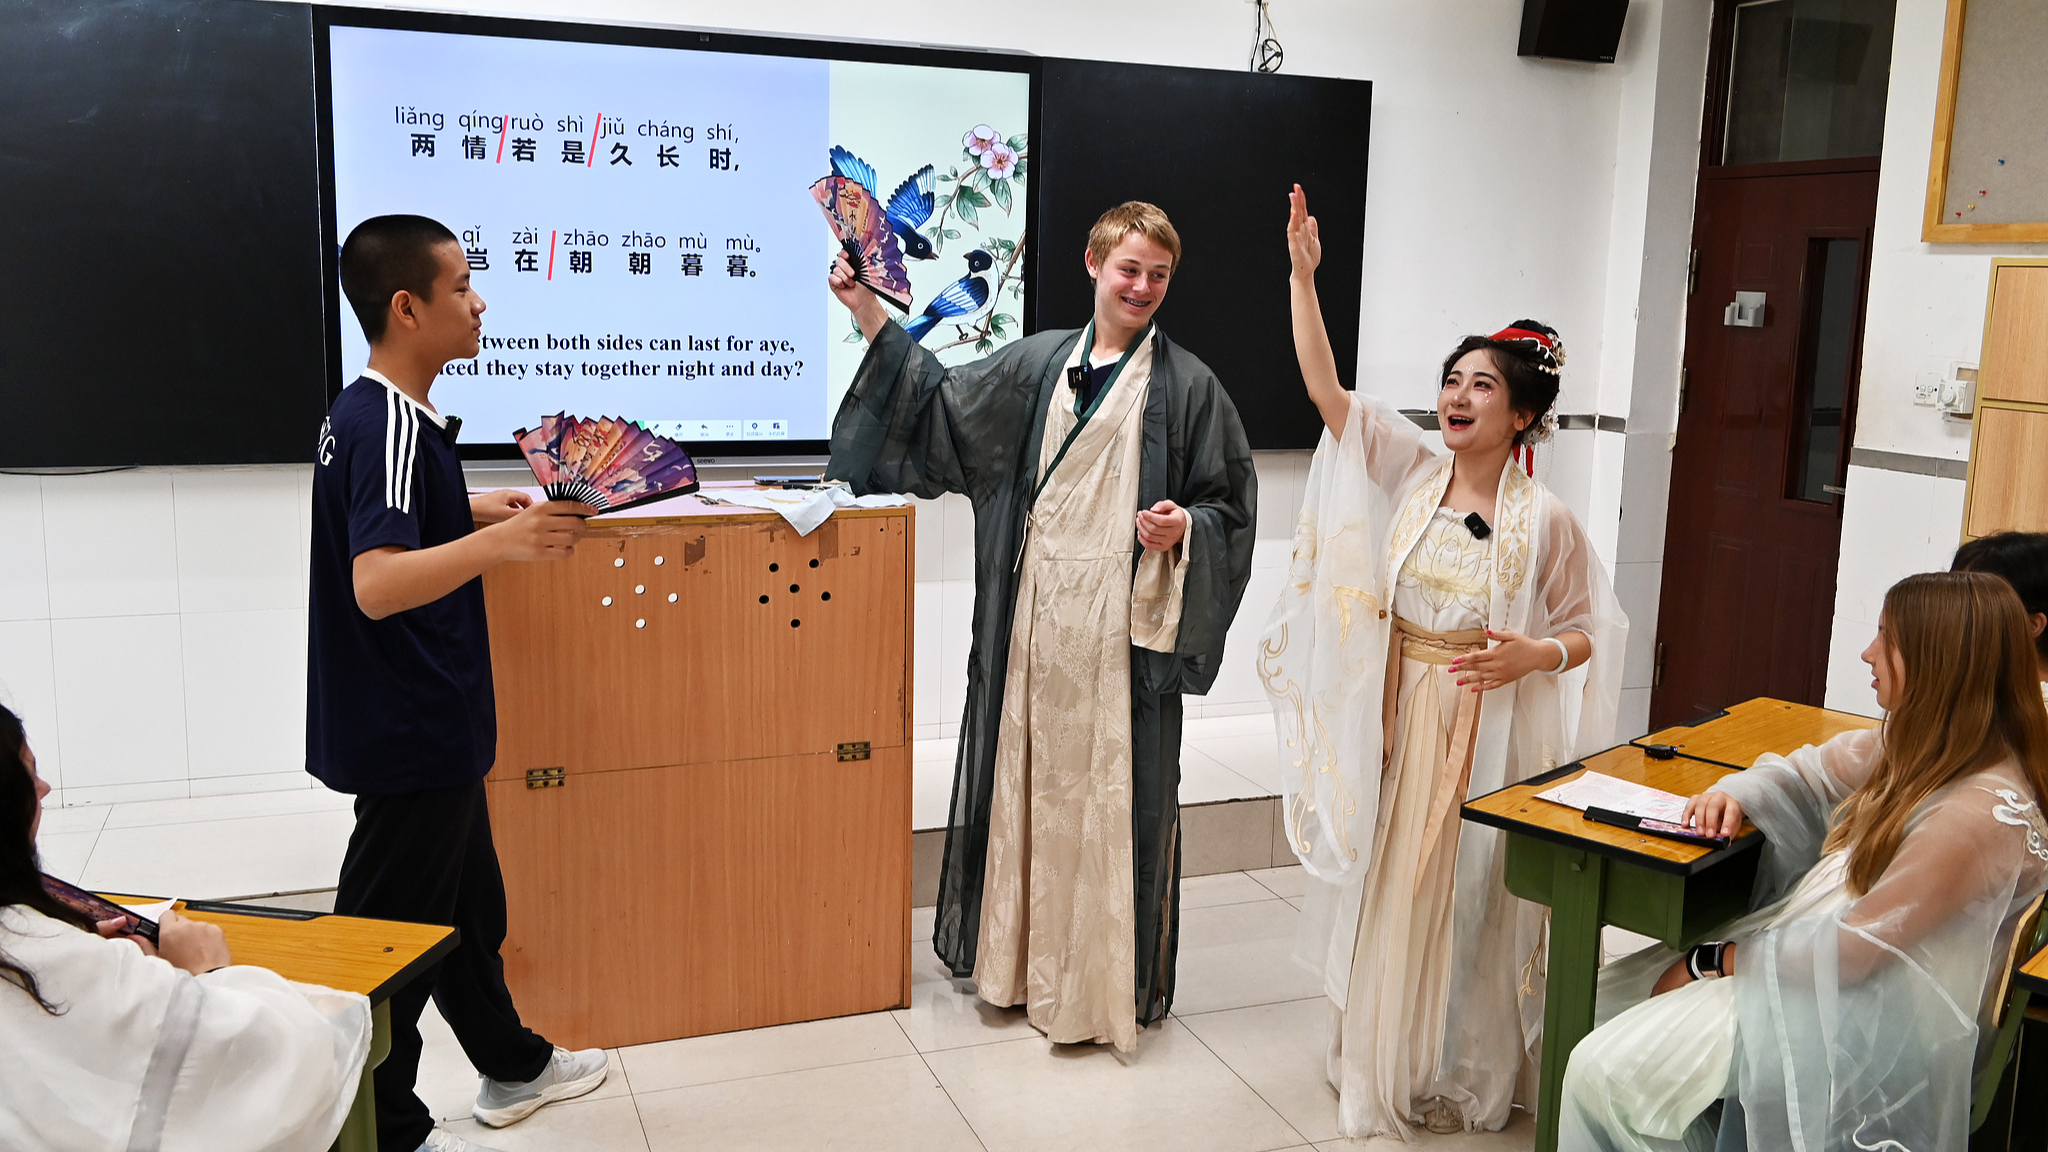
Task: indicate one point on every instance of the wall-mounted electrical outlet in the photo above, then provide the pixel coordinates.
(1958, 396)
(1927, 391)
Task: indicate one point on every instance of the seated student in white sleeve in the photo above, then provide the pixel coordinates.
(115, 1044)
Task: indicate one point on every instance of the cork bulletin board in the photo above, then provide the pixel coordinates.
(1987, 177)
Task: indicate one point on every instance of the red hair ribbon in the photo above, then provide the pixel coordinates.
(1522, 334)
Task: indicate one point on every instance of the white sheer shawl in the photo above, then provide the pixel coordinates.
(1323, 659)
(1859, 1022)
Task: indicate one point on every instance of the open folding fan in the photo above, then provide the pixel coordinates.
(606, 463)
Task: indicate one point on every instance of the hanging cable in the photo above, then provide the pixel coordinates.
(1266, 51)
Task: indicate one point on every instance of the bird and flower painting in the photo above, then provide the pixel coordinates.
(929, 208)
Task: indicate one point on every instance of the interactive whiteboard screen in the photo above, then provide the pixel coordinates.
(650, 226)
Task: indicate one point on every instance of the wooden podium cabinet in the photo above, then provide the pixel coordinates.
(702, 794)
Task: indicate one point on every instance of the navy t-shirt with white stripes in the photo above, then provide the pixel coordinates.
(405, 703)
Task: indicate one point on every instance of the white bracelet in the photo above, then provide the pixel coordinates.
(1564, 656)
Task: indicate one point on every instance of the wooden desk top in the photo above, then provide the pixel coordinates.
(678, 510)
(2034, 973)
(1515, 808)
(1746, 731)
(373, 957)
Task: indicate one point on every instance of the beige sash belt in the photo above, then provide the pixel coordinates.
(1455, 776)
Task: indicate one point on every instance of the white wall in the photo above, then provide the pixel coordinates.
(1926, 309)
(153, 629)
(155, 636)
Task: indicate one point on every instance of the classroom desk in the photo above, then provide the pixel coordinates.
(1596, 874)
(2034, 973)
(373, 957)
(1736, 736)
(1592, 875)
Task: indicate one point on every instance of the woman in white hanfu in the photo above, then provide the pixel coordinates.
(112, 1045)
(1447, 630)
(1850, 1011)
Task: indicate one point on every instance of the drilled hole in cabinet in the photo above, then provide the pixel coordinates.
(619, 562)
(795, 623)
(658, 561)
(775, 567)
(825, 596)
(607, 601)
(794, 588)
(671, 597)
(764, 599)
(639, 589)
(639, 623)
(814, 563)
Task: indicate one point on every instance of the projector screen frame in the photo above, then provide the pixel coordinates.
(326, 17)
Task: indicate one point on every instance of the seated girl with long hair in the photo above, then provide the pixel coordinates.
(113, 1044)
(1850, 1009)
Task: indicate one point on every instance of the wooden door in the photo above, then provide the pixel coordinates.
(1786, 202)
(1754, 531)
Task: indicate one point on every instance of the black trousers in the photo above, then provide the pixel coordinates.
(427, 858)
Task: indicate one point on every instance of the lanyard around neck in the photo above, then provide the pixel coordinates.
(1102, 393)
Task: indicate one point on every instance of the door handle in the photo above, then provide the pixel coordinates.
(1747, 311)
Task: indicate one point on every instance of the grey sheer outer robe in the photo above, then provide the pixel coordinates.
(909, 424)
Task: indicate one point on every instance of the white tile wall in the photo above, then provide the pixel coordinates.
(121, 706)
(152, 629)
(112, 544)
(24, 571)
(28, 685)
(223, 566)
(243, 718)
(1893, 525)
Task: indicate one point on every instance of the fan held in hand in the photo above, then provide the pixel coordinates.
(607, 463)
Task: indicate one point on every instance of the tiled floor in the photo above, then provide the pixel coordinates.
(1237, 1068)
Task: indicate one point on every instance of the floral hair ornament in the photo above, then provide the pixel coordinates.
(1550, 356)
(1542, 431)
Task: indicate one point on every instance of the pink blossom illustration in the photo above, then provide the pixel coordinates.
(980, 140)
(1000, 159)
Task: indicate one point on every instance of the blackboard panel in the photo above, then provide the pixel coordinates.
(159, 184)
(1218, 151)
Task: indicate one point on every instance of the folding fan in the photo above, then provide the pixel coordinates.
(606, 463)
(867, 236)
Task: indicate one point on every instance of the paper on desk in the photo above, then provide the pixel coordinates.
(805, 509)
(1598, 790)
(152, 911)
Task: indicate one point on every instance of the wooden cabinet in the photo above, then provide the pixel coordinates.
(2008, 477)
(702, 795)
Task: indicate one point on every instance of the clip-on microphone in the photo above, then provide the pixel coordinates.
(1476, 525)
(451, 430)
(1077, 377)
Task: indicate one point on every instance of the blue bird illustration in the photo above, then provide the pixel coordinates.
(961, 302)
(908, 208)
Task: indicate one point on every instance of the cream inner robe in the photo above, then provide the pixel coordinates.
(1057, 922)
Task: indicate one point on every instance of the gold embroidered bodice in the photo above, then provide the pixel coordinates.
(1446, 582)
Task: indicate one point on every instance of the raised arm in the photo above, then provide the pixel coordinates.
(1311, 339)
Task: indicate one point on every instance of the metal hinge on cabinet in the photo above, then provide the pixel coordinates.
(856, 750)
(1692, 272)
(1657, 670)
(1684, 382)
(545, 777)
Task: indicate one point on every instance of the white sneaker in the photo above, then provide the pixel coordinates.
(440, 1140)
(567, 1076)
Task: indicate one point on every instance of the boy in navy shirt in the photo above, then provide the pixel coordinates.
(400, 710)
